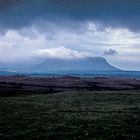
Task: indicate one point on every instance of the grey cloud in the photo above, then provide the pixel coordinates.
(110, 52)
(21, 13)
(7, 4)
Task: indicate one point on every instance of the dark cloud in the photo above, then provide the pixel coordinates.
(7, 4)
(110, 52)
(20, 13)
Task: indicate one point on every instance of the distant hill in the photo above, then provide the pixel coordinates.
(87, 63)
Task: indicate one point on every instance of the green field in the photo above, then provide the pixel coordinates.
(87, 115)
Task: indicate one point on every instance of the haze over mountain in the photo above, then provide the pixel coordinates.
(86, 63)
(59, 59)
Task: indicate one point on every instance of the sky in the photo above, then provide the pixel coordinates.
(71, 29)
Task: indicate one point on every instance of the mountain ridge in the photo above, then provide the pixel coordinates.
(87, 63)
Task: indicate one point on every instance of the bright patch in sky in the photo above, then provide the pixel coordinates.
(61, 53)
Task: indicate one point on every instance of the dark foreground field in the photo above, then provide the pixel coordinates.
(69, 108)
(83, 115)
(28, 85)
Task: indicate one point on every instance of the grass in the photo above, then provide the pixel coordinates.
(87, 115)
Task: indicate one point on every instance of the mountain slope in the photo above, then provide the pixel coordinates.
(88, 63)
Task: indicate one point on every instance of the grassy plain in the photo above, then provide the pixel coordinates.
(73, 115)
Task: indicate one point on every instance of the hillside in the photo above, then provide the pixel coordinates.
(88, 63)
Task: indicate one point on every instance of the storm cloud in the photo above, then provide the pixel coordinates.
(120, 13)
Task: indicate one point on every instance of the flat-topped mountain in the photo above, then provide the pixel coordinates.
(87, 63)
